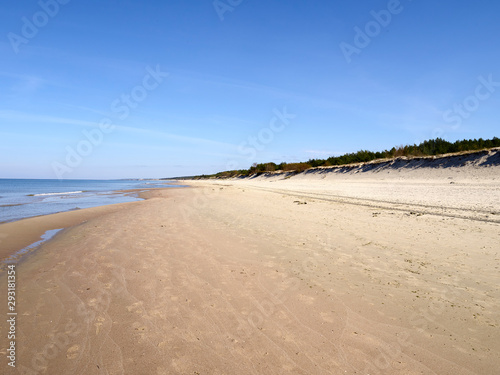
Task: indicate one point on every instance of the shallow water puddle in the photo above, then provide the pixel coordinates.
(16, 257)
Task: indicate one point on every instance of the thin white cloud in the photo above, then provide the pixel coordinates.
(22, 85)
(265, 90)
(171, 149)
(24, 117)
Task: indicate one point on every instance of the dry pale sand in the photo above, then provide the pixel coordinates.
(371, 276)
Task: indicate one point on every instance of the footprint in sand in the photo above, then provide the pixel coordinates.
(73, 352)
(327, 317)
(135, 307)
(100, 321)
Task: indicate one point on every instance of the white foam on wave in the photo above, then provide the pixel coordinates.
(64, 193)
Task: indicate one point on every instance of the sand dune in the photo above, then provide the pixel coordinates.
(465, 165)
(457, 185)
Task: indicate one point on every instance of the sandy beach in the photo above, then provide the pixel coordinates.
(356, 273)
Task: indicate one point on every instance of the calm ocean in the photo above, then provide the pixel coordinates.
(26, 198)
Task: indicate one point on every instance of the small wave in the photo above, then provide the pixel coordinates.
(65, 193)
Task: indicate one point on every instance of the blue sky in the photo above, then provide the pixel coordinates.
(190, 87)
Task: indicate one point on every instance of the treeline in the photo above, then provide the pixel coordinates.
(431, 147)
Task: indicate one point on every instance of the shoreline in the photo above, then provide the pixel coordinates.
(20, 234)
(21, 199)
(17, 257)
(226, 277)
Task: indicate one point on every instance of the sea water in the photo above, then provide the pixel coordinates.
(21, 198)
